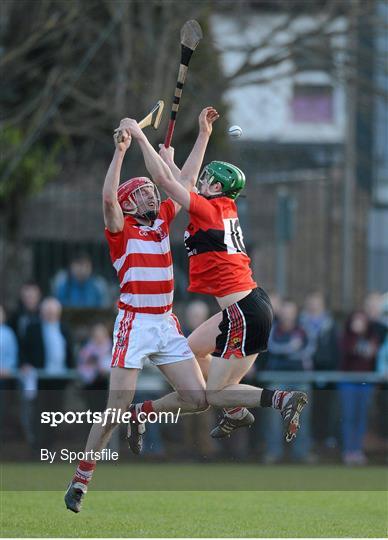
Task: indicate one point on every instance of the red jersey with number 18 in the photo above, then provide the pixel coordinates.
(218, 263)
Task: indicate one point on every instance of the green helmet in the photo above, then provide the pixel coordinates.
(230, 177)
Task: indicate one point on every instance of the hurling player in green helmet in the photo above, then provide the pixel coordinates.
(227, 344)
(230, 178)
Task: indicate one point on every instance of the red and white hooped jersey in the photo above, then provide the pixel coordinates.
(141, 256)
(218, 262)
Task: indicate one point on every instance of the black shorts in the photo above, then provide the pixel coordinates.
(245, 326)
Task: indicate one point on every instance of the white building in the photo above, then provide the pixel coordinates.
(298, 103)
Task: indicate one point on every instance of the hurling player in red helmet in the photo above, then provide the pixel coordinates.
(219, 266)
(140, 198)
(137, 231)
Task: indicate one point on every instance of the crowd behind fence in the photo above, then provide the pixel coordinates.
(56, 353)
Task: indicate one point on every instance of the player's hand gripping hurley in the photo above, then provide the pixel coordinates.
(153, 119)
(191, 34)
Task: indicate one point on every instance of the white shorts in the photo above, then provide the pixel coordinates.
(141, 336)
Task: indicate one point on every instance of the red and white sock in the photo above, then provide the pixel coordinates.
(280, 398)
(236, 412)
(145, 407)
(84, 474)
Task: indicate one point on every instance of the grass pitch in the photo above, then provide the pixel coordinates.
(197, 513)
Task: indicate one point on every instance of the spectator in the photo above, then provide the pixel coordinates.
(323, 340)
(384, 311)
(376, 307)
(197, 312)
(78, 287)
(47, 346)
(261, 363)
(359, 347)
(373, 306)
(28, 308)
(8, 360)
(9, 347)
(93, 366)
(382, 360)
(287, 350)
(382, 355)
(47, 343)
(276, 302)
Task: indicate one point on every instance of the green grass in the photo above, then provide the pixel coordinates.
(139, 476)
(196, 513)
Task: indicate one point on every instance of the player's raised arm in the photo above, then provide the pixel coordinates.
(113, 215)
(159, 171)
(189, 174)
(167, 155)
(191, 169)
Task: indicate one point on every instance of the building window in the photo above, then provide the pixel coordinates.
(312, 103)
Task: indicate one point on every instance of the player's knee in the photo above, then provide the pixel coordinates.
(195, 400)
(214, 398)
(201, 403)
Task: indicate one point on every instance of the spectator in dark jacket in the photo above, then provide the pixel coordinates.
(46, 346)
(359, 349)
(323, 337)
(28, 308)
(288, 351)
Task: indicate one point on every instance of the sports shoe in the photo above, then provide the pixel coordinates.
(291, 414)
(227, 425)
(135, 431)
(74, 495)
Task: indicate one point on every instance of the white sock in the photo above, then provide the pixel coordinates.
(237, 413)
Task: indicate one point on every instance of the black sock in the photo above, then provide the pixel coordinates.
(266, 398)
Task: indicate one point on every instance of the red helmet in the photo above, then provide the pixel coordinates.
(139, 197)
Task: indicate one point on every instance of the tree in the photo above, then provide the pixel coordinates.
(35, 169)
(74, 69)
(306, 35)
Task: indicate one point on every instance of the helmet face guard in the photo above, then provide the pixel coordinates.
(231, 178)
(140, 198)
(206, 178)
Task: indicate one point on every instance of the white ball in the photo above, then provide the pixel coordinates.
(235, 132)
